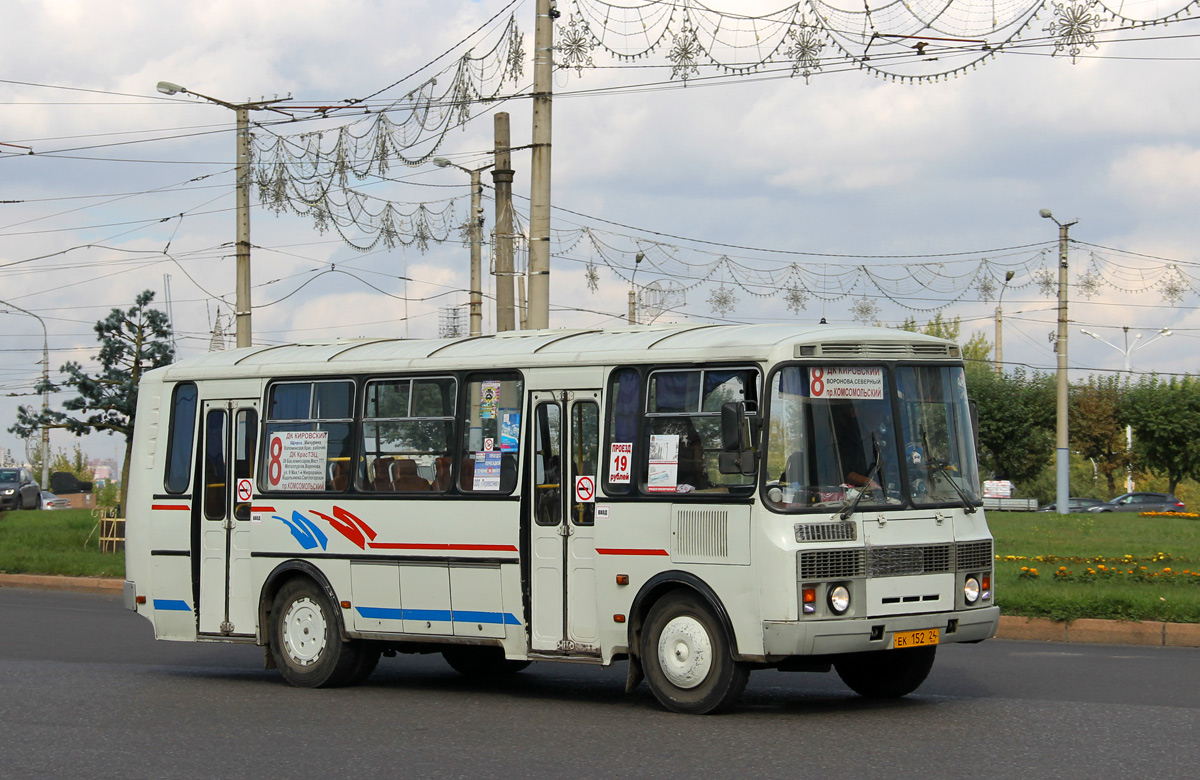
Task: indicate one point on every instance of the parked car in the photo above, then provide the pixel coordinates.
(1075, 505)
(51, 501)
(1141, 502)
(18, 490)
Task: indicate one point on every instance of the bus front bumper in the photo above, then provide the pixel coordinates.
(830, 637)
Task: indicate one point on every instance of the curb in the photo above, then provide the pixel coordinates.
(49, 582)
(1082, 631)
(1108, 632)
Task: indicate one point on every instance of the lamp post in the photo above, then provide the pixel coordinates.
(242, 305)
(1008, 277)
(633, 318)
(1062, 479)
(476, 224)
(1127, 351)
(45, 394)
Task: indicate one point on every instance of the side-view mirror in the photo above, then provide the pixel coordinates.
(737, 441)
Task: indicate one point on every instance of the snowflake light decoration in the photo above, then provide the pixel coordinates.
(1073, 28)
(805, 50)
(514, 66)
(796, 298)
(1047, 282)
(986, 287)
(464, 232)
(1089, 284)
(1173, 287)
(865, 310)
(592, 276)
(685, 52)
(722, 300)
(575, 45)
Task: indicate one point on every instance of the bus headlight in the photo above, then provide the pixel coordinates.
(839, 599)
(971, 590)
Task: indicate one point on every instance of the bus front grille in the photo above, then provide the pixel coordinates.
(974, 555)
(906, 560)
(832, 564)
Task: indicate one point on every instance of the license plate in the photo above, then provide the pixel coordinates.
(928, 636)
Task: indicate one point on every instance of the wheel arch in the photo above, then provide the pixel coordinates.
(280, 576)
(666, 582)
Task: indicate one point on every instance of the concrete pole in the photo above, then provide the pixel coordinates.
(502, 177)
(476, 306)
(1063, 447)
(999, 340)
(243, 227)
(539, 186)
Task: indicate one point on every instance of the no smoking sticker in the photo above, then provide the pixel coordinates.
(245, 490)
(585, 490)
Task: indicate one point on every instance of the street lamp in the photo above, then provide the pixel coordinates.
(45, 395)
(1062, 479)
(242, 306)
(476, 224)
(633, 318)
(1008, 277)
(1127, 351)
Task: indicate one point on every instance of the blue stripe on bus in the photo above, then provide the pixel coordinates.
(440, 615)
(172, 605)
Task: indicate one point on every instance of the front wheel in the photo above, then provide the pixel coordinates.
(305, 642)
(886, 674)
(687, 657)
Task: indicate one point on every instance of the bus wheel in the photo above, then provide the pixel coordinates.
(481, 661)
(687, 659)
(886, 674)
(305, 641)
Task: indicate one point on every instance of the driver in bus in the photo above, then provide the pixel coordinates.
(856, 447)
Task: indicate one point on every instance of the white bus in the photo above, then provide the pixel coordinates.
(698, 500)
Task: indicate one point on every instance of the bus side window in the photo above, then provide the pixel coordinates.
(623, 412)
(180, 436)
(490, 447)
(407, 435)
(321, 407)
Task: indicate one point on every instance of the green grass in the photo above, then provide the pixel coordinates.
(54, 543)
(1078, 566)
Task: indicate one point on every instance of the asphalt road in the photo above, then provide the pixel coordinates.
(86, 692)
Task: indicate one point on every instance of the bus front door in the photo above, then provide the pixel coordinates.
(227, 449)
(563, 548)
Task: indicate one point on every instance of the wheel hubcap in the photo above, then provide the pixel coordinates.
(304, 632)
(685, 652)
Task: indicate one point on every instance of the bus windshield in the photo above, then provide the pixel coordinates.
(939, 449)
(833, 436)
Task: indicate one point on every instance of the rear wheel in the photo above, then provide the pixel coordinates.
(481, 661)
(687, 658)
(305, 642)
(886, 674)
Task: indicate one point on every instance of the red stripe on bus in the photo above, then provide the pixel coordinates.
(623, 551)
(472, 547)
(262, 509)
(183, 507)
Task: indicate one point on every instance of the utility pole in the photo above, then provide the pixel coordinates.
(502, 177)
(539, 189)
(1062, 479)
(45, 432)
(999, 323)
(242, 245)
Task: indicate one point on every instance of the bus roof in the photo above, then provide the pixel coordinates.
(526, 348)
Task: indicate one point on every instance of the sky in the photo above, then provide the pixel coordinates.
(108, 187)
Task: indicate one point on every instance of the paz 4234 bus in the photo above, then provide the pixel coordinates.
(699, 501)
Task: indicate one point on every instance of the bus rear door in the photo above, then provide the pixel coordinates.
(230, 431)
(563, 549)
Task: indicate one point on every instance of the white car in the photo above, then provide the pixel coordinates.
(51, 501)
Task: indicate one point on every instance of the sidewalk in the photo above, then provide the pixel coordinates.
(1107, 632)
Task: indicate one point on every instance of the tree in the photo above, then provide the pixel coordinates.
(1097, 426)
(1016, 422)
(1165, 416)
(131, 343)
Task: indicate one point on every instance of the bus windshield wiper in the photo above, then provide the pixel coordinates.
(940, 468)
(871, 473)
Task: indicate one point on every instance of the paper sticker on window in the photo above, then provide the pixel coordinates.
(663, 473)
(863, 382)
(296, 460)
(489, 398)
(620, 462)
(510, 431)
(487, 471)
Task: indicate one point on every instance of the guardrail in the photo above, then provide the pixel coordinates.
(1011, 504)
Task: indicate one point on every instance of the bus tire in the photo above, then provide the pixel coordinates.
(687, 657)
(886, 674)
(305, 641)
(481, 661)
